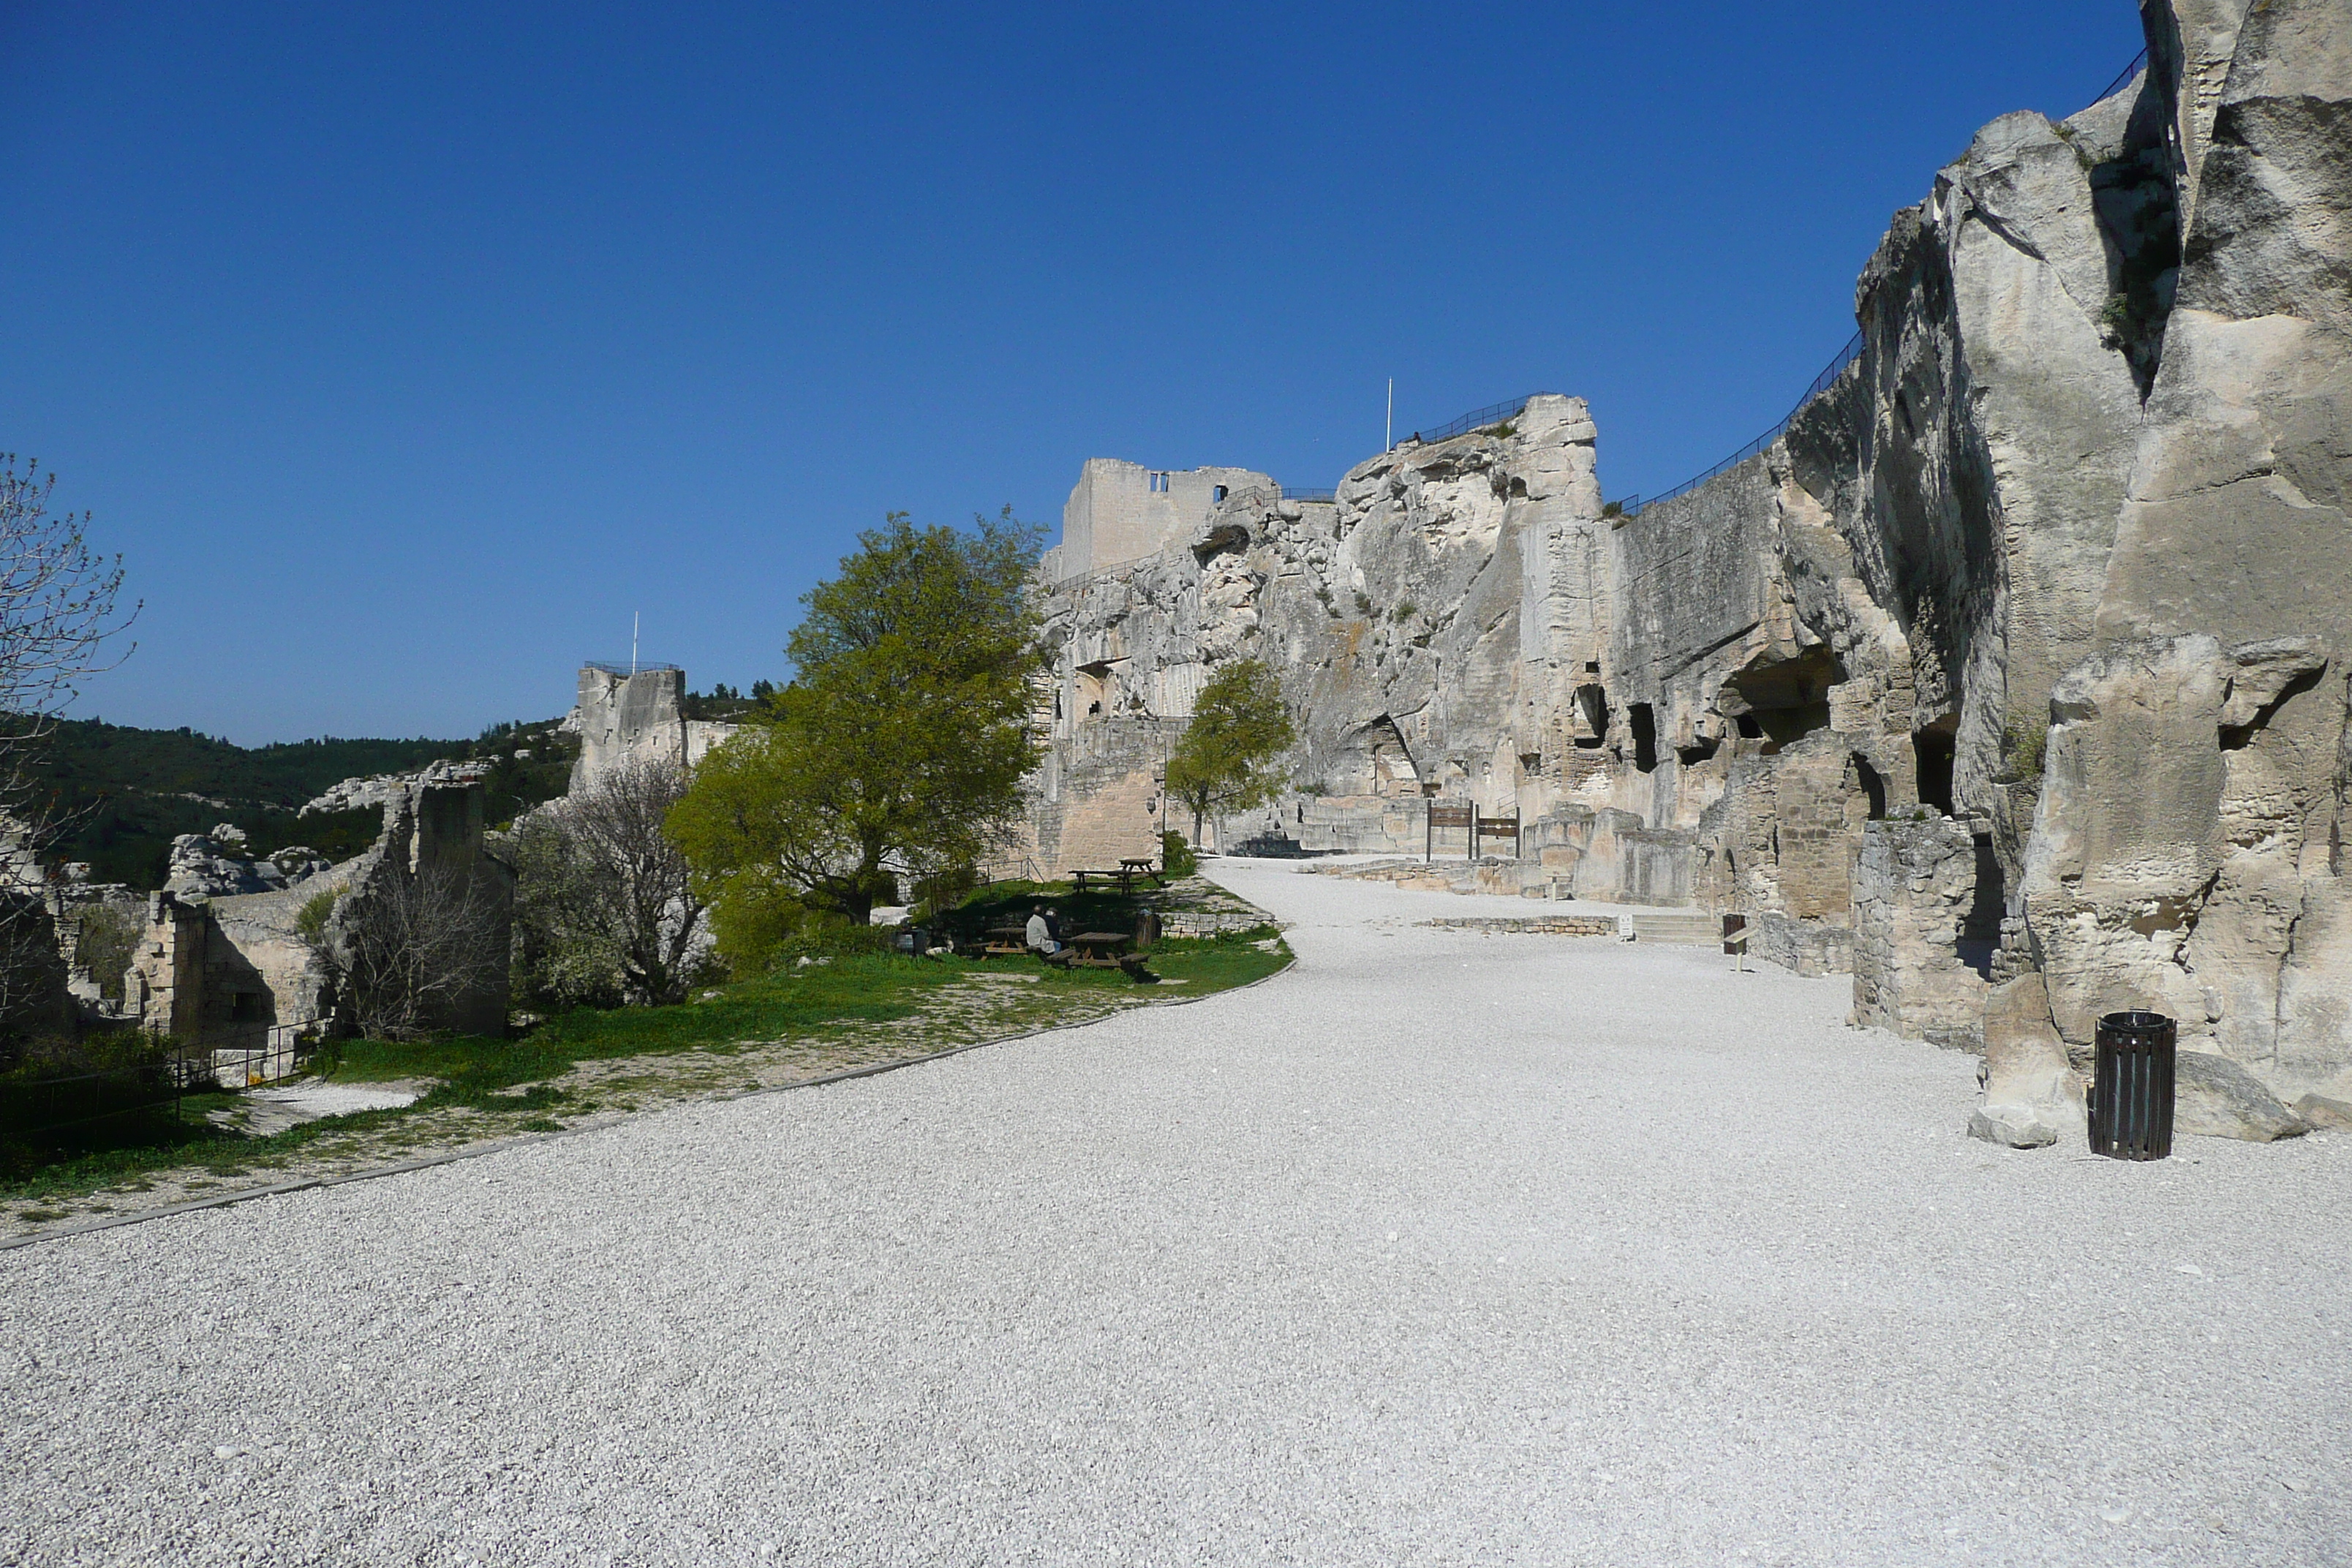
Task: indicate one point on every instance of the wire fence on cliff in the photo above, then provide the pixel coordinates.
(2139, 63)
(1476, 419)
(617, 666)
(1631, 506)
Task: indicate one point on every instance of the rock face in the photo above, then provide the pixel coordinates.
(379, 790)
(2199, 778)
(2032, 1096)
(2022, 633)
(206, 865)
(2217, 1098)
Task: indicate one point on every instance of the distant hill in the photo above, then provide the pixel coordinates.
(131, 792)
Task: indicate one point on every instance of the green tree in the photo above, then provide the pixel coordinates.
(898, 747)
(1229, 758)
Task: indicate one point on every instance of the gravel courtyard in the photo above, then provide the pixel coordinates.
(1442, 1247)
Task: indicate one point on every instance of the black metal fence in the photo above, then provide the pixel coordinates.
(36, 1106)
(1301, 492)
(1631, 505)
(2139, 63)
(614, 668)
(1476, 419)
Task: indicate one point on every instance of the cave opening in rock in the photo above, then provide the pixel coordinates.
(1934, 748)
(1980, 927)
(1788, 698)
(1699, 750)
(1645, 720)
(1874, 787)
(1592, 707)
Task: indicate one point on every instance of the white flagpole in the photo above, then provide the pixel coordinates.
(633, 642)
(1387, 434)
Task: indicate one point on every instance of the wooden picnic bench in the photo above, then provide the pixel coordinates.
(1125, 877)
(1008, 938)
(1103, 950)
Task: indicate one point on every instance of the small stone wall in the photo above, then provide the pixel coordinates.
(1914, 885)
(1806, 947)
(1534, 925)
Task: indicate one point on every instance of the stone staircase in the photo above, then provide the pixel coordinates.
(1683, 929)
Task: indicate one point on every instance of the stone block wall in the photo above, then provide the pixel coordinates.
(1914, 887)
(1093, 802)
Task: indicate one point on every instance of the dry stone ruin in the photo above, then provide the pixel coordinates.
(2009, 678)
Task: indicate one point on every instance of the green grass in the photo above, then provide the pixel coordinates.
(510, 1078)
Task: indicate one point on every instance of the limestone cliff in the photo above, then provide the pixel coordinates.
(2049, 579)
(2188, 853)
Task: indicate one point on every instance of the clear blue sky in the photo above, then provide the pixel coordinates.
(404, 350)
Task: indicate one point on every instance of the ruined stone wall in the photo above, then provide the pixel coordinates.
(1914, 887)
(229, 969)
(1121, 511)
(619, 717)
(1095, 799)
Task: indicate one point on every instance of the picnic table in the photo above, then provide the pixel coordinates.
(1007, 938)
(1125, 877)
(1102, 948)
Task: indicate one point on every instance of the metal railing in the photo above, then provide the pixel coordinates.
(1633, 506)
(80, 1100)
(1476, 419)
(624, 669)
(2138, 64)
(229, 1058)
(1300, 492)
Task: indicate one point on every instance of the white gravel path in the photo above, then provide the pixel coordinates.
(1442, 1249)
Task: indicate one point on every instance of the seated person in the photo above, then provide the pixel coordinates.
(1042, 933)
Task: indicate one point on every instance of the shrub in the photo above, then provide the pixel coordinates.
(1176, 857)
(2022, 748)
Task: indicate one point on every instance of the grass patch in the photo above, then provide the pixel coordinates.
(506, 1084)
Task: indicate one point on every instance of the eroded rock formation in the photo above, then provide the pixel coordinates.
(2017, 655)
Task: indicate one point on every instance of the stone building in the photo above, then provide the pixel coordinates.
(623, 714)
(2011, 664)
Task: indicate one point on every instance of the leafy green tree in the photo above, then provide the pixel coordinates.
(897, 749)
(1228, 759)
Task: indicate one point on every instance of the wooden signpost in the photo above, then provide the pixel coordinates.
(1449, 816)
(1479, 827)
(1498, 827)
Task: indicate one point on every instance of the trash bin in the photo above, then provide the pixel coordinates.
(1146, 928)
(2131, 1087)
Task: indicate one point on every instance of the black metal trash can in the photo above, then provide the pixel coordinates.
(2131, 1087)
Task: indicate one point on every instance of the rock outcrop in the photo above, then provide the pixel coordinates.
(2201, 759)
(2015, 653)
(208, 865)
